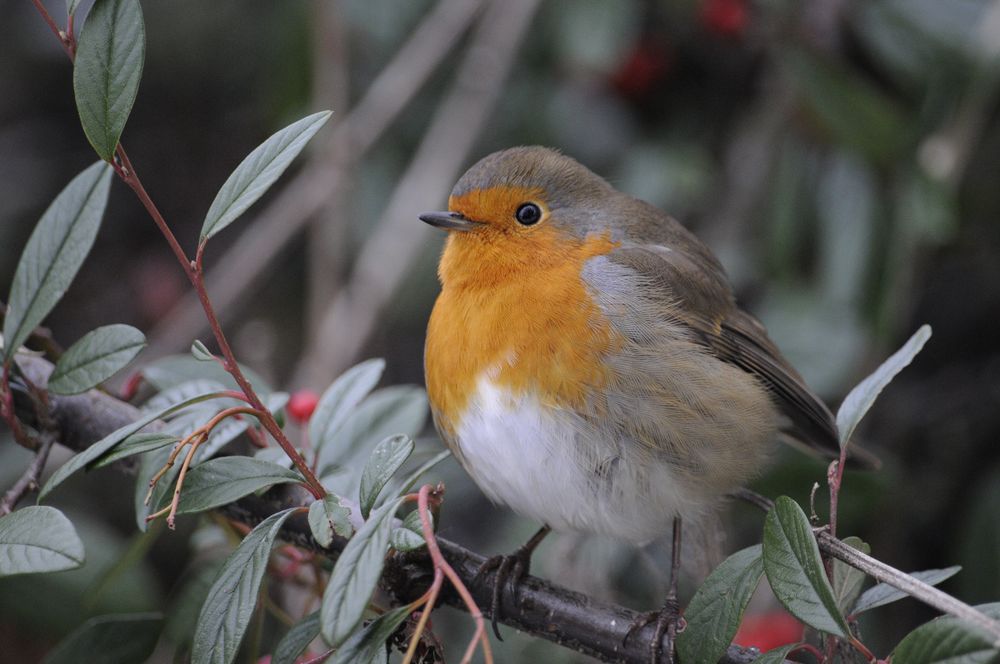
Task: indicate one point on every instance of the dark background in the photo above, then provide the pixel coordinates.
(842, 158)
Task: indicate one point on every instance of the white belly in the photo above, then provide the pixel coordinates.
(555, 468)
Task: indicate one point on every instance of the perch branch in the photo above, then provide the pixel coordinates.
(542, 609)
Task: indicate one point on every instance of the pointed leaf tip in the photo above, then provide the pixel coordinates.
(859, 400)
(258, 171)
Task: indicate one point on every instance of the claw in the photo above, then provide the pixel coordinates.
(510, 569)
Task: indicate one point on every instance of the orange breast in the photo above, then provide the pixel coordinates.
(516, 310)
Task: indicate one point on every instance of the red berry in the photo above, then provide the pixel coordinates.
(768, 630)
(643, 69)
(302, 404)
(727, 18)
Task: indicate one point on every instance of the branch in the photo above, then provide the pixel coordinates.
(879, 571)
(542, 609)
(29, 480)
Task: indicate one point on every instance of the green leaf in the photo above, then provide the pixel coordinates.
(93, 359)
(221, 481)
(110, 639)
(104, 445)
(391, 410)
(775, 655)
(410, 535)
(385, 460)
(847, 580)
(355, 576)
(365, 644)
(326, 517)
(882, 593)
(137, 443)
(107, 70)
(258, 172)
(860, 399)
(795, 571)
(54, 253)
(340, 399)
(38, 539)
(231, 600)
(714, 613)
(200, 352)
(296, 640)
(948, 640)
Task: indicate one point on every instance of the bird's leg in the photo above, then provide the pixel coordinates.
(668, 619)
(511, 568)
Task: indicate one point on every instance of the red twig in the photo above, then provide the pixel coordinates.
(440, 564)
(123, 167)
(68, 43)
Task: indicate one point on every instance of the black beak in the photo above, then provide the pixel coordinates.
(451, 221)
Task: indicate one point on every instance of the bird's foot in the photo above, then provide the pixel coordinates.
(668, 620)
(510, 569)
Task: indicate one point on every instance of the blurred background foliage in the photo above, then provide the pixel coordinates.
(841, 156)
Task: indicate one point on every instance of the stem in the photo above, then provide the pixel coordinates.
(60, 35)
(233, 367)
(441, 564)
(29, 479)
(195, 274)
(861, 648)
(916, 588)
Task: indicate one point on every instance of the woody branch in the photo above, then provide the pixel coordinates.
(543, 609)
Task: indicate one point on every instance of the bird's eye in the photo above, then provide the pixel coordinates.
(528, 214)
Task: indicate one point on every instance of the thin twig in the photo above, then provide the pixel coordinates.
(29, 480)
(913, 587)
(880, 571)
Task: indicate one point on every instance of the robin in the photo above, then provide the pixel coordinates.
(587, 363)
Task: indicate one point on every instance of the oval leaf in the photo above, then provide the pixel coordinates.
(102, 446)
(948, 640)
(221, 481)
(355, 576)
(111, 639)
(339, 400)
(54, 253)
(258, 172)
(107, 70)
(795, 571)
(231, 599)
(93, 359)
(298, 638)
(860, 399)
(38, 539)
(385, 460)
(326, 517)
(882, 593)
(715, 611)
(365, 644)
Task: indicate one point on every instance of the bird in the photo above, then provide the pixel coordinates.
(587, 362)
